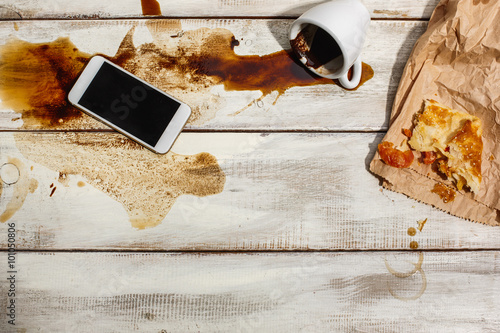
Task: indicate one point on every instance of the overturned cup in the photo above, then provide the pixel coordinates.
(328, 39)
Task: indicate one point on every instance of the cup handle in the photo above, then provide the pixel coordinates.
(356, 76)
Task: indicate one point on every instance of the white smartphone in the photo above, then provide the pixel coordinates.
(130, 105)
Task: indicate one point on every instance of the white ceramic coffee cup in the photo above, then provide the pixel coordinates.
(346, 21)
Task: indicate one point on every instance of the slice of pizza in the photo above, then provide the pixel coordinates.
(452, 139)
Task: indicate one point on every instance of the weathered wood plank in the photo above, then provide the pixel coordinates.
(294, 292)
(55, 9)
(281, 107)
(258, 192)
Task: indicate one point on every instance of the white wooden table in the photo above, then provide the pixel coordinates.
(263, 217)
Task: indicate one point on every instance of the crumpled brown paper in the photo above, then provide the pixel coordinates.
(457, 63)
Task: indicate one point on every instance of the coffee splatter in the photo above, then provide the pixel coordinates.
(146, 184)
(477, 2)
(150, 7)
(191, 65)
(22, 187)
(81, 184)
(63, 178)
(389, 12)
(36, 78)
(413, 245)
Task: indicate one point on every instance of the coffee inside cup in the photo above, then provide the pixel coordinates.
(318, 49)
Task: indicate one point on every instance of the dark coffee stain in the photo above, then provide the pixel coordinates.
(36, 78)
(53, 190)
(150, 7)
(203, 58)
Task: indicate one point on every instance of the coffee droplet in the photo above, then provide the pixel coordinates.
(413, 245)
(150, 7)
(412, 231)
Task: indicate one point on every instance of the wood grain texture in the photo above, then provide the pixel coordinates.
(56, 9)
(318, 108)
(282, 192)
(295, 177)
(295, 292)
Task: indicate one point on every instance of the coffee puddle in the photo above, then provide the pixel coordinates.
(36, 78)
(146, 184)
(198, 60)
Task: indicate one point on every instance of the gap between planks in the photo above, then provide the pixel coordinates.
(226, 18)
(204, 130)
(253, 252)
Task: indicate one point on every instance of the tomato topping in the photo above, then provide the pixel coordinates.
(429, 157)
(407, 132)
(395, 157)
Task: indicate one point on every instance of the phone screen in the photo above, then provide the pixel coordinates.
(129, 104)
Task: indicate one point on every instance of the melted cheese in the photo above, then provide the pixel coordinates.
(454, 135)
